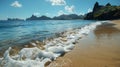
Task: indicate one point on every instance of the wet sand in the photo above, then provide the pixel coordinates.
(101, 48)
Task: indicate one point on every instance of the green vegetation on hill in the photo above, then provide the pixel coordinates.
(107, 12)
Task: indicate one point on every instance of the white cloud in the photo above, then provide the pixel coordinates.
(16, 4)
(36, 13)
(60, 12)
(82, 13)
(57, 2)
(70, 9)
(89, 10)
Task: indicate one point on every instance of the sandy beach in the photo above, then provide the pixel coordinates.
(95, 47)
(101, 48)
(117, 22)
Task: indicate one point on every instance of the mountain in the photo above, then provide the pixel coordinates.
(33, 17)
(68, 17)
(61, 17)
(107, 12)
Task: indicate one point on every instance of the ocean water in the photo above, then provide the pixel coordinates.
(20, 32)
(37, 56)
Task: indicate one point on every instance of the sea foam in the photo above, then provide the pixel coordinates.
(36, 57)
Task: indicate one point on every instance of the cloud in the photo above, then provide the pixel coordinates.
(70, 9)
(82, 13)
(16, 4)
(89, 10)
(60, 12)
(57, 2)
(36, 14)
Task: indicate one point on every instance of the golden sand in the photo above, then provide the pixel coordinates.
(101, 48)
(117, 22)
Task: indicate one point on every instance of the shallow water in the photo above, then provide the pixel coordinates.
(19, 32)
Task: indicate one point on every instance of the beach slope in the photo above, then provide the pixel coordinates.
(101, 48)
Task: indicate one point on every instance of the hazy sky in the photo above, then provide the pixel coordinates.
(25, 8)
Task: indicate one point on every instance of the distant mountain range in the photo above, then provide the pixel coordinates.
(14, 19)
(68, 17)
(107, 12)
(61, 17)
(33, 17)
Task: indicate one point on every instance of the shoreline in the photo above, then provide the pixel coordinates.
(50, 50)
(59, 48)
(99, 49)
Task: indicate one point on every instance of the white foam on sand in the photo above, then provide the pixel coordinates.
(35, 57)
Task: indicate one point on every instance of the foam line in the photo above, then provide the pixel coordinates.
(36, 57)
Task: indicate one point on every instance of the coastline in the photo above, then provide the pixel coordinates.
(63, 45)
(60, 33)
(99, 49)
(48, 51)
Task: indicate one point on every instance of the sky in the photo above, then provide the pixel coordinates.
(25, 8)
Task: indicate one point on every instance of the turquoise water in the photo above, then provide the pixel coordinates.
(20, 32)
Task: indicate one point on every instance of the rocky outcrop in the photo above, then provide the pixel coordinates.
(107, 12)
